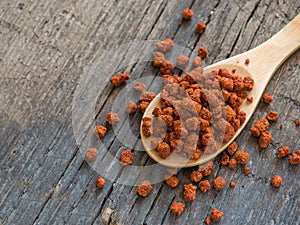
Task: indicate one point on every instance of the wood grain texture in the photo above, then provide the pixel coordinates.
(46, 46)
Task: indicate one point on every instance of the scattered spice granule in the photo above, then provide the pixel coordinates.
(91, 154)
(197, 61)
(172, 181)
(207, 168)
(147, 126)
(100, 131)
(100, 183)
(202, 52)
(182, 61)
(143, 106)
(139, 86)
(216, 215)
(261, 125)
(232, 184)
(247, 171)
(267, 98)
(126, 157)
(200, 28)
(276, 181)
(189, 192)
(131, 108)
(248, 83)
(247, 61)
(219, 183)
(167, 67)
(204, 186)
(250, 99)
(241, 157)
(295, 158)
(144, 188)
(232, 148)
(119, 79)
(272, 116)
(207, 221)
(232, 164)
(233, 71)
(177, 208)
(164, 150)
(280, 126)
(265, 139)
(112, 118)
(297, 123)
(187, 14)
(196, 176)
(283, 152)
(224, 159)
(165, 45)
(158, 59)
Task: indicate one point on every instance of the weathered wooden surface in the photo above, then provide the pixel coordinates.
(44, 48)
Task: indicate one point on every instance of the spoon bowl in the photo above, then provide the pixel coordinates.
(264, 61)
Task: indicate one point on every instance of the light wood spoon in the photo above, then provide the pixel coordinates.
(264, 61)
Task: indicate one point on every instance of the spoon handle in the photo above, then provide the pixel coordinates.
(267, 57)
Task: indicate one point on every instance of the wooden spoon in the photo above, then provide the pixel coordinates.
(264, 61)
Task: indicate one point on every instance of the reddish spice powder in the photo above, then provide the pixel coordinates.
(267, 98)
(177, 208)
(200, 28)
(276, 181)
(187, 14)
(232, 184)
(100, 183)
(119, 79)
(219, 183)
(126, 157)
(283, 152)
(100, 131)
(172, 181)
(247, 61)
(91, 154)
(144, 188)
(196, 176)
(112, 118)
(202, 52)
(216, 215)
(204, 186)
(189, 192)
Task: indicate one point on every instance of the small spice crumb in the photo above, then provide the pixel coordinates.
(189, 192)
(187, 14)
(207, 221)
(241, 157)
(112, 118)
(267, 98)
(280, 126)
(219, 183)
(247, 61)
(126, 157)
(247, 171)
(91, 154)
(197, 61)
(182, 61)
(131, 108)
(158, 59)
(250, 99)
(119, 79)
(100, 183)
(167, 67)
(295, 158)
(165, 45)
(283, 152)
(232, 148)
(172, 171)
(200, 28)
(265, 139)
(172, 181)
(272, 116)
(177, 208)
(276, 181)
(233, 71)
(144, 188)
(202, 52)
(216, 215)
(232, 164)
(204, 186)
(196, 176)
(232, 184)
(297, 123)
(100, 131)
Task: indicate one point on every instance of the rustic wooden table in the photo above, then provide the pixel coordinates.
(45, 46)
